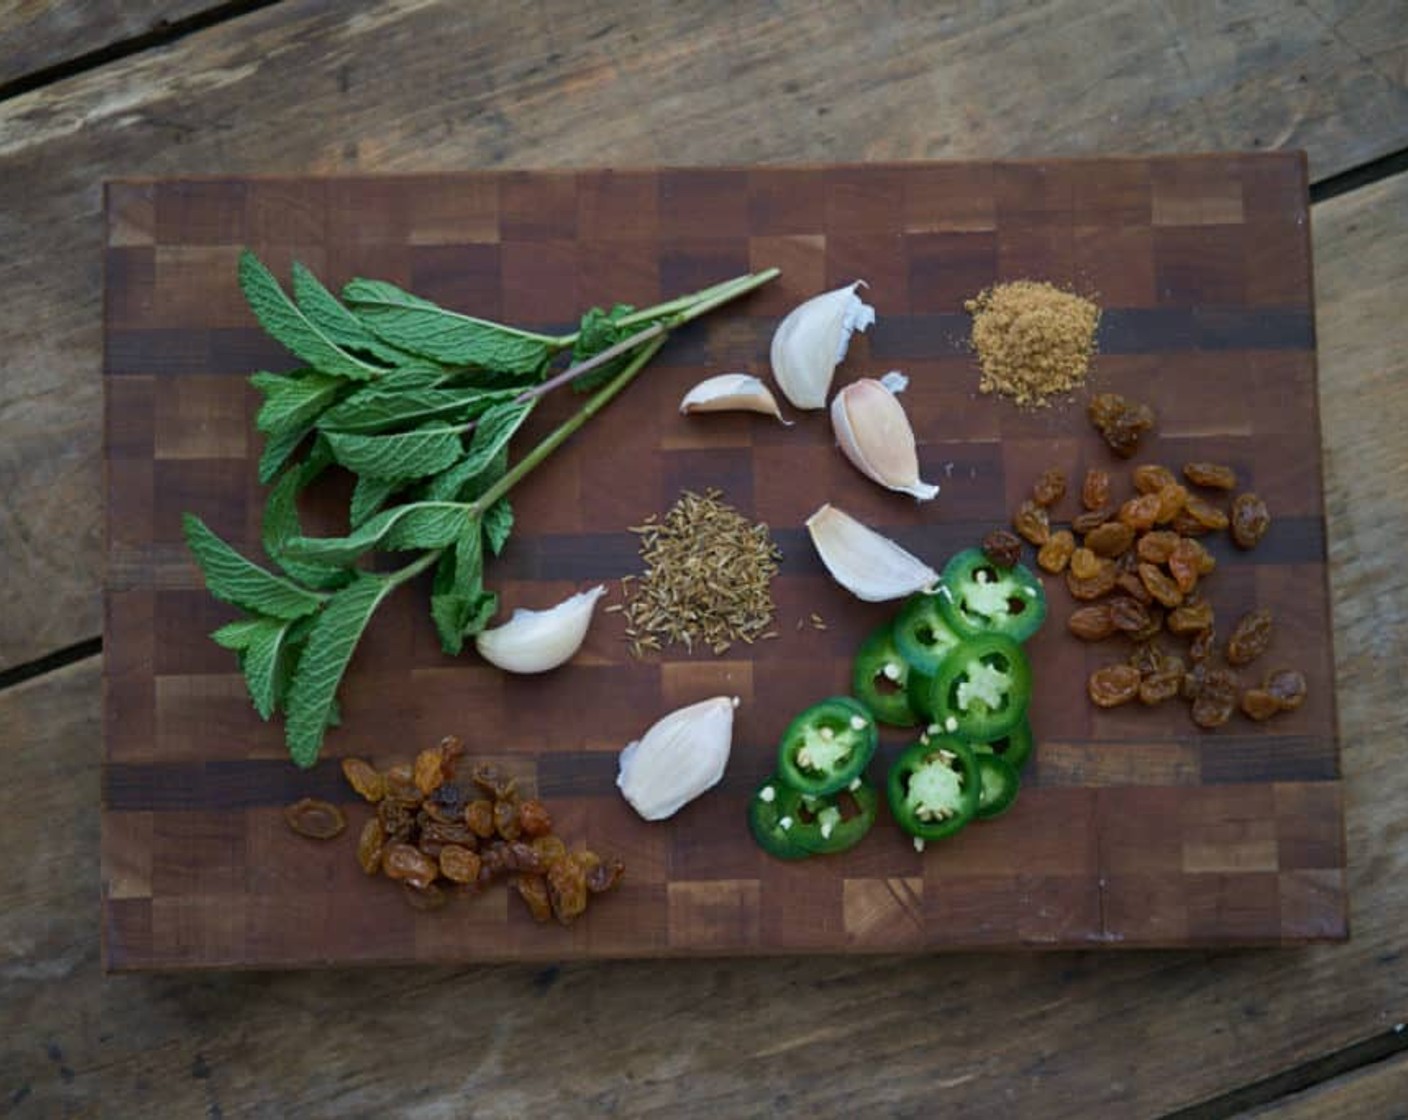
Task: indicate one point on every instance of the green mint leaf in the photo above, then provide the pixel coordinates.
(375, 410)
(598, 331)
(281, 317)
(403, 455)
(417, 374)
(415, 525)
(498, 524)
(368, 496)
(282, 523)
(326, 654)
(233, 579)
(277, 450)
(424, 328)
(294, 400)
(467, 479)
(459, 605)
(237, 635)
(266, 662)
(325, 312)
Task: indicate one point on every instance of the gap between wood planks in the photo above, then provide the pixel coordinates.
(162, 33)
(1297, 1079)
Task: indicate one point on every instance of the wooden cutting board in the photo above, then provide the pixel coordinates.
(1133, 829)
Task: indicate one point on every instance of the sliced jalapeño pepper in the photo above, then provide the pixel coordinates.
(923, 635)
(998, 784)
(837, 821)
(772, 817)
(1015, 747)
(827, 746)
(934, 787)
(982, 689)
(879, 679)
(977, 597)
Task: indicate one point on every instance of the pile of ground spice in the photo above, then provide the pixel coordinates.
(1033, 340)
(707, 581)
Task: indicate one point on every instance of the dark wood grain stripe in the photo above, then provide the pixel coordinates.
(1228, 759)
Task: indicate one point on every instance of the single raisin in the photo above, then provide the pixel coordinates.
(318, 820)
(1153, 627)
(1139, 513)
(1260, 705)
(1102, 582)
(1172, 499)
(1202, 645)
(1204, 561)
(401, 784)
(364, 778)
(451, 832)
(370, 846)
(458, 864)
(1162, 684)
(1150, 478)
(567, 888)
(1128, 614)
(1214, 476)
(1085, 564)
(1133, 586)
(479, 816)
(1110, 539)
(1186, 525)
(534, 818)
(1205, 514)
(1191, 617)
(1288, 686)
(1002, 548)
(1250, 520)
(1216, 698)
(550, 849)
(1209, 713)
(398, 820)
(602, 874)
(1160, 585)
(1113, 685)
(1093, 623)
(1250, 637)
(1091, 519)
(1148, 658)
(1121, 422)
(1032, 522)
(1095, 490)
(506, 822)
(1050, 488)
(427, 773)
(1184, 562)
(492, 782)
(1055, 553)
(533, 889)
(409, 865)
(1157, 546)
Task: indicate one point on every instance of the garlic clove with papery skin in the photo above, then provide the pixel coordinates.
(868, 565)
(536, 641)
(874, 433)
(732, 392)
(811, 341)
(682, 755)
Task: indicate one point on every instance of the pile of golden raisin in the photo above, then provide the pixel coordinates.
(1137, 565)
(434, 835)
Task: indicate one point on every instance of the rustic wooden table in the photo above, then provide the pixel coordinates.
(95, 90)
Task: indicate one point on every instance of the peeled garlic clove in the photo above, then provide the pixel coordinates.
(536, 641)
(811, 341)
(875, 434)
(680, 757)
(870, 566)
(729, 392)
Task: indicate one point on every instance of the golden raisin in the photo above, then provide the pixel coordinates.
(1157, 546)
(1250, 637)
(534, 818)
(479, 816)
(1032, 522)
(1140, 512)
(364, 778)
(1121, 422)
(1288, 686)
(533, 889)
(1128, 614)
(1056, 552)
(1250, 520)
(428, 774)
(318, 820)
(1091, 519)
(1133, 586)
(409, 865)
(1095, 490)
(1093, 623)
(1259, 704)
(1002, 548)
(1050, 488)
(1191, 617)
(1094, 586)
(1214, 476)
(458, 864)
(1150, 478)
(1084, 563)
(1172, 499)
(1160, 585)
(1205, 514)
(567, 888)
(1201, 647)
(1184, 563)
(370, 846)
(550, 849)
(1110, 539)
(401, 784)
(1113, 685)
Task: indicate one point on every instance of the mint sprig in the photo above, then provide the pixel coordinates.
(420, 404)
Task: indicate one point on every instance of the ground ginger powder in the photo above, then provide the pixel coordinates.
(1033, 340)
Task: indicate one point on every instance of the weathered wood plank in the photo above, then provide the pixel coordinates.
(420, 85)
(1377, 1092)
(39, 34)
(1057, 1036)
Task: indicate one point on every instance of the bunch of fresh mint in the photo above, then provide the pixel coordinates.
(419, 403)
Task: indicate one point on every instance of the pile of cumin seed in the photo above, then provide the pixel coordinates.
(707, 580)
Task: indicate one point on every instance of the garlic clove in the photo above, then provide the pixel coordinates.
(875, 434)
(811, 341)
(682, 755)
(870, 566)
(536, 641)
(729, 392)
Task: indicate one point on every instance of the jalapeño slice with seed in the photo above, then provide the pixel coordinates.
(880, 676)
(934, 787)
(977, 597)
(773, 814)
(982, 690)
(827, 746)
